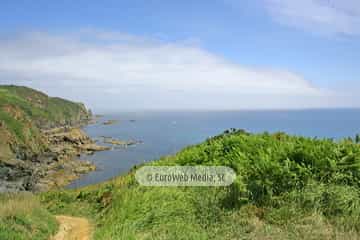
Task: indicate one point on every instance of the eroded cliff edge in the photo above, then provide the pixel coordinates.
(39, 140)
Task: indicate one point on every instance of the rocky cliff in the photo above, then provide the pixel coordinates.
(30, 149)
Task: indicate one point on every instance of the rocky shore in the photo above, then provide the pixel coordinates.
(117, 142)
(41, 139)
(56, 167)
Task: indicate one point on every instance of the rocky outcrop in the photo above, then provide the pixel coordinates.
(56, 167)
(112, 141)
(73, 140)
(40, 139)
(110, 122)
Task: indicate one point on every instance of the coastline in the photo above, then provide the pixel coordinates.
(67, 144)
(58, 166)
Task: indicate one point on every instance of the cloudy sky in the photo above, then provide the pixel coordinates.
(204, 54)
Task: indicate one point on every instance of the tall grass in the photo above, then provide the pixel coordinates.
(22, 218)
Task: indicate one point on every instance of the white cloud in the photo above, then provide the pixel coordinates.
(321, 16)
(119, 71)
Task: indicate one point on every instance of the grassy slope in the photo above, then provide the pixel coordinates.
(23, 218)
(23, 111)
(42, 108)
(287, 188)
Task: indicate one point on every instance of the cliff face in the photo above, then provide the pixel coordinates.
(25, 117)
(24, 112)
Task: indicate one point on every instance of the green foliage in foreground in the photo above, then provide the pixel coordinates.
(23, 218)
(287, 187)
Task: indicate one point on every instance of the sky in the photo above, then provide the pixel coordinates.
(185, 54)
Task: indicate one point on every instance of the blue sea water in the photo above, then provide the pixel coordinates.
(166, 133)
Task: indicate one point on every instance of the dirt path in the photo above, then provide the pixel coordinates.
(73, 228)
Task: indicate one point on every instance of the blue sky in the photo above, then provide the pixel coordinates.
(249, 54)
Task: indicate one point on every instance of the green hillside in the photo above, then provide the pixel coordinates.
(24, 112)
(287, 187)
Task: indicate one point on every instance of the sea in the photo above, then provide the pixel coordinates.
(166, 132)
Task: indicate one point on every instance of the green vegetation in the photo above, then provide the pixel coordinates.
(287, 187)
(24, 111)
(23, 218)
(44, 111)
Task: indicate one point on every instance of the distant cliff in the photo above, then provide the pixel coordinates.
(25, 116)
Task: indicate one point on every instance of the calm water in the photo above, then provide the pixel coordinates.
(165, 133)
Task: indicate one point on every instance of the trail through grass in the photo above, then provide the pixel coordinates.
(72, 228)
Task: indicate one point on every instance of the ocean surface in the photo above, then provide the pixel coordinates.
(164, 133)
